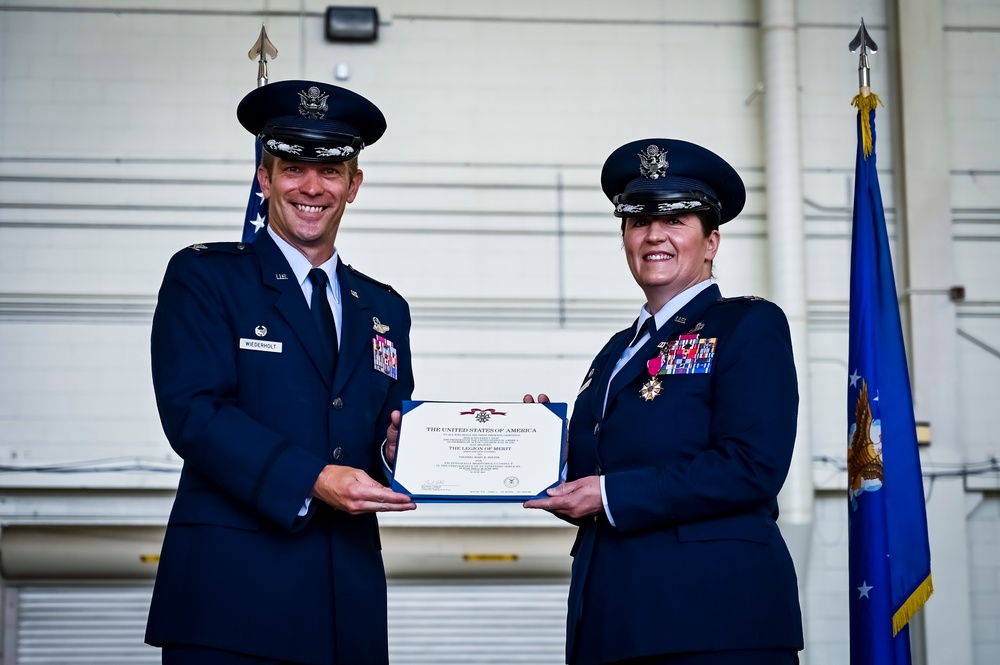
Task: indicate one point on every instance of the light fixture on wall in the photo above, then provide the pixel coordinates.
(351, 24)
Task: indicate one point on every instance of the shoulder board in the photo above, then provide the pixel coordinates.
(358, 273)
(743, 299)
(224, 247)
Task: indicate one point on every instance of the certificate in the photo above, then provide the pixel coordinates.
(479, 451)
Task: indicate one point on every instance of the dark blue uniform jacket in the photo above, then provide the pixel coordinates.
(695, 561)
(239, 569)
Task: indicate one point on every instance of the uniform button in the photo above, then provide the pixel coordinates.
(597, 429)
(338, 403)
(338, 452)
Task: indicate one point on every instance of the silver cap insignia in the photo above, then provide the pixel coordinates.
(312, 103)
(653, 162)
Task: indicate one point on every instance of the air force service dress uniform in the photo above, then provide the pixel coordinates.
(694, 438)
(246, 397)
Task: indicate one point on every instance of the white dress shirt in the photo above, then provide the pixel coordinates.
(667, 312)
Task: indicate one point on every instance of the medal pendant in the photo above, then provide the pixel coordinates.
(650, 389)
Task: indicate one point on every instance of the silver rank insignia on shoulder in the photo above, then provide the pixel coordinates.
(199, 247)
(260, 331)
(378, 326)
(354, 293)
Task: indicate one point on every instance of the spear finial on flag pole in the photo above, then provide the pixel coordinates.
(863, 42)
(256, 215)
(865, 101)
(263, 49)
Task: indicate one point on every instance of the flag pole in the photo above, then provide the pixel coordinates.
(256, 214)
(888, 544)
(865, 101)
(262, 49)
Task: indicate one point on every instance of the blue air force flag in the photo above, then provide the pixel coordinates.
(890, 576)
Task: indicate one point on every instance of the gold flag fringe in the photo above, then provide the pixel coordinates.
(865, 104)
(913, 603)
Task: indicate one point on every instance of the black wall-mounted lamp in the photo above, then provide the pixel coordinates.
(351, 24)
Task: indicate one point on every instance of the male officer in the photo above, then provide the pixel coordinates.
(268, 386)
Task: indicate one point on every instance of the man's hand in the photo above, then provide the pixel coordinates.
(355, 492)
(542, 399)
(392, 437)
(575, 499)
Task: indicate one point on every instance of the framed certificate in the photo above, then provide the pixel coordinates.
(479, 451)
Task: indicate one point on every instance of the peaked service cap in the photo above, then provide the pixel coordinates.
(654, 177)
(310, 121)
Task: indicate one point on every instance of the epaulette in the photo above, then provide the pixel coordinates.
(744, 299)
(358, 273)
(224, 247)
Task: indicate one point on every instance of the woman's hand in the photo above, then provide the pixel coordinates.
(575, 499)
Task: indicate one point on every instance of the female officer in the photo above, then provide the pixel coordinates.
(680, 439)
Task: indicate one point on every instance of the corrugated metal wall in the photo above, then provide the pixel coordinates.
(429, 623)
(58, 625)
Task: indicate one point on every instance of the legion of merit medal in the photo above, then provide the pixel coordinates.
(650, 389)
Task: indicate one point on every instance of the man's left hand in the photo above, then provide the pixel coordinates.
(392, 437)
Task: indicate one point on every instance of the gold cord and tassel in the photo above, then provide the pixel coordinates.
(866, 101)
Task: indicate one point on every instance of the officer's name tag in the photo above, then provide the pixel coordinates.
(260, 345)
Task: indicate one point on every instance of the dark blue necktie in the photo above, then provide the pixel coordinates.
(649, 325)
(622, 377)
(321, 311)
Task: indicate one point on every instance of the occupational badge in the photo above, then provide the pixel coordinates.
(378, 326)
(385, 356)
